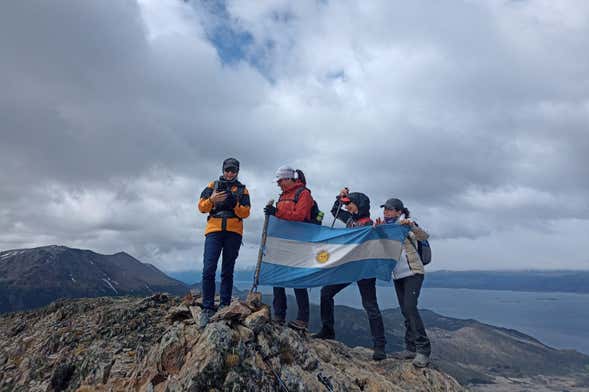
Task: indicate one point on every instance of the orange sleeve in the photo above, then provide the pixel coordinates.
(205, 205)
(242, 209)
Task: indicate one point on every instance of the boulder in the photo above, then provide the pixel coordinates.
(237, 310)
(257, 320)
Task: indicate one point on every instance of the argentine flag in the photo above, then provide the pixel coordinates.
(306, 255)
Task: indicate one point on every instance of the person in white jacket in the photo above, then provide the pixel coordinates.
(408, 278)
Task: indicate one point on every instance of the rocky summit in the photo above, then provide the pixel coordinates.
(154, 344)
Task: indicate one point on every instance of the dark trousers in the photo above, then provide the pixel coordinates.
(368, 292)
(408, 289)
(279, 303)
(229, 243)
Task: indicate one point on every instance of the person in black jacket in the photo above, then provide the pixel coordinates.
(356, 214)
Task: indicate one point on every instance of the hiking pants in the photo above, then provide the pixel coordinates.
(368, 292)
(279, 303)
(228, 242)
(408, 289)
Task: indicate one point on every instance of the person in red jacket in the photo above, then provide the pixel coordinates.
(294, 204)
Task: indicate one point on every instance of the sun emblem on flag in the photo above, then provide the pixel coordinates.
(322, 256)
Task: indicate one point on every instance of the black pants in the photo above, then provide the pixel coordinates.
(368, 292)
(408, 289)
(279, 303)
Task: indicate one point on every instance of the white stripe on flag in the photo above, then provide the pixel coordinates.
(323, 255)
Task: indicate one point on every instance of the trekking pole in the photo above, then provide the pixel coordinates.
(261, 250)
(276, 375)
(339, 207)
(325, 381)
(266, 360)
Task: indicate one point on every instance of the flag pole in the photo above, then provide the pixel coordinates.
(261, 250)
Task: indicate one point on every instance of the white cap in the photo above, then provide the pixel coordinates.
(285, 172)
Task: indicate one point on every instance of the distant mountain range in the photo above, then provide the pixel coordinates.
(31, 278)
(472, 352)
(541, 281)
(566, 281)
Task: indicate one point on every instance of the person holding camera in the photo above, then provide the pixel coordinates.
(295, 204)
(227, 202)
(356, 214)
(408, 278)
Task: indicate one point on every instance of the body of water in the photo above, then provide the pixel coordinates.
(560, 320)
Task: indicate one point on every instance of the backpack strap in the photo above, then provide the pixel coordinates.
(297, 194)
(239, 193)
(415, 246)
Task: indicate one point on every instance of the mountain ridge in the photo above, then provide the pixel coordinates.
(37, 276)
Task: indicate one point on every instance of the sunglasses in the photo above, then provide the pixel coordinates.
(231, 170)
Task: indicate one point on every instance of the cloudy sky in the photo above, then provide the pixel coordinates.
(115, 114)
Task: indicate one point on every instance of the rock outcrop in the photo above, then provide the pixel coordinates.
(154, 344)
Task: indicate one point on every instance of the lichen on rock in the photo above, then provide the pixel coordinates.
(153, 344)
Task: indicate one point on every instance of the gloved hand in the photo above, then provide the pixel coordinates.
(270, 210)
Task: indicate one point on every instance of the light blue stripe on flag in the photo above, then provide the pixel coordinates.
(307, 255)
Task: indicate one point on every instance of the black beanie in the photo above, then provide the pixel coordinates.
(362, 202)
(230, 162)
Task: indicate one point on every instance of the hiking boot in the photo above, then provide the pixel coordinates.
(299, 325)
(379, 354)
(278, 321)
(324, 333)
(205, 316)
(405, 354)
(420, 360)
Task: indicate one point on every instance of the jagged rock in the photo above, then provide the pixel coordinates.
(195, 312)
(257, 320)
(158, 298)
(170, 352)
(180, 312)
(254, 300)
(207, 359)
(236, 310)
(61, 376)
(132, 344)
(191, 298)
(245, 334)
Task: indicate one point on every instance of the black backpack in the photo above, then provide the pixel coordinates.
(424, 250)
(316, 214)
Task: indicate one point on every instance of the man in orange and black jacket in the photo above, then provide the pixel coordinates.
(227, 202)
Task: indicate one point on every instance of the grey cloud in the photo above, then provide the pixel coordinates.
(474, 114)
